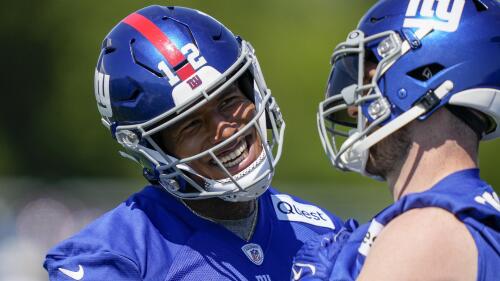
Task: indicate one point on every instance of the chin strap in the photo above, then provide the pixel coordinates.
(420, 108)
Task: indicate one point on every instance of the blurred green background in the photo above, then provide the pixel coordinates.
(55, 152)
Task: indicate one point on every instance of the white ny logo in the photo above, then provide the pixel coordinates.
(440, 14)
(101, 91)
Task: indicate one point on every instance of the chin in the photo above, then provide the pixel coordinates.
(375, 169)
(387, 156)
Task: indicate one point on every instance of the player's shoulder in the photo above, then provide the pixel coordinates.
(291, 208)
(427, 226)
(125, 225)
(117, 236)
(102, 246)
(422, 244)
(93, 265)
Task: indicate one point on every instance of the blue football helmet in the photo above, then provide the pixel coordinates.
(159, 65)
(425, 54)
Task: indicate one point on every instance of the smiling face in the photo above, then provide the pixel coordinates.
(210, 125)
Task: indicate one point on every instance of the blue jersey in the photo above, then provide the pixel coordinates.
(463, 194)
(153, 236)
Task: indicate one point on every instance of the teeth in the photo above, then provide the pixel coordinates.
(237, 161)
(235, 157)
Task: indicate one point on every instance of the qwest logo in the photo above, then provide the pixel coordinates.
(371, 235)
(289, 210)
(441, 15)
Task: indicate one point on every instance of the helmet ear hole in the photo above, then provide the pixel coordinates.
(425, 72)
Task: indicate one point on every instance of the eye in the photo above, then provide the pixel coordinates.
(189, 128)
(230, 101)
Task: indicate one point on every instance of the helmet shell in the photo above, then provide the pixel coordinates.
(464, 50)
(138, 90)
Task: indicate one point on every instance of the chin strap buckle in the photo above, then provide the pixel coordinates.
(429, 101)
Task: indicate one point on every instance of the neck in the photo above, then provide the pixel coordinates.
(218, 209)
(445, 147)
(424, 168)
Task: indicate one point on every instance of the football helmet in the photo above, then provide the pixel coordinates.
(423, 54)
(159, 65)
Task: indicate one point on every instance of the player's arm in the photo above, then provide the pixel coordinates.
(315, 260)
(422, 244)
(102, 266)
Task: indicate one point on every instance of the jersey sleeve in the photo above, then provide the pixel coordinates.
(102, 266)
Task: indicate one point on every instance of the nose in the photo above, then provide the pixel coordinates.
(370, 71)
(222, 128)
(352, 111)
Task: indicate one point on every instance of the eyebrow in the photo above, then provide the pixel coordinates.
(231, 88)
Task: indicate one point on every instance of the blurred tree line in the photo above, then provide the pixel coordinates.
(50, 127)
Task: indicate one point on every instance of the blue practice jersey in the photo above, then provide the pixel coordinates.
(153, 236)
(463, 194)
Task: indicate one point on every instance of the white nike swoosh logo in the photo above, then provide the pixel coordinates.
(77, 275)
(296, 275)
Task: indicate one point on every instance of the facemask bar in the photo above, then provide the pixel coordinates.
(346, 156)
(258, 174)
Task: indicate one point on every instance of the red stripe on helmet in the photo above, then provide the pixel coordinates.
(159, 39)
(185, 71)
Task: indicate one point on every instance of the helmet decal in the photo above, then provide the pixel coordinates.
(163, 44)
(101, 90)
(444, 15)
(188, 57)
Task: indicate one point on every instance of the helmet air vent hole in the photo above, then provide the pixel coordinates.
(107, 46)
(135, 94)
(155, 72)
(426, 72)
(109, 50)
(480, 6)
(375, 20)
(217, 37)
